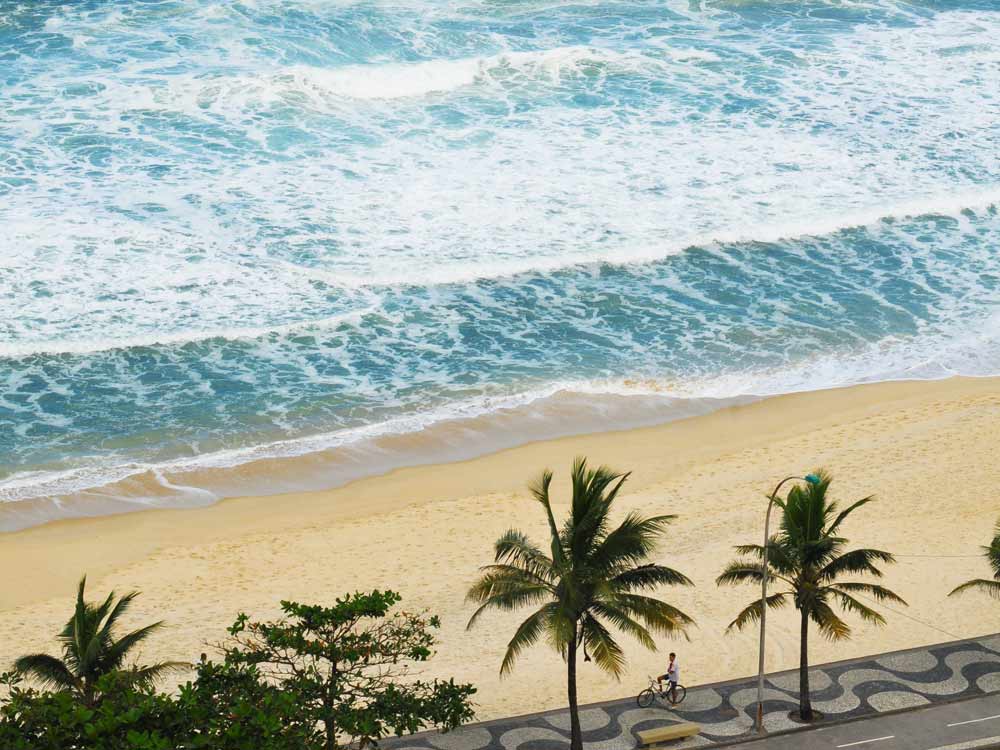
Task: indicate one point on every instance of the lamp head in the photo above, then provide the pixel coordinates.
(811, 478)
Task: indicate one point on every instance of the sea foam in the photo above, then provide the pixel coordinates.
(241, 234)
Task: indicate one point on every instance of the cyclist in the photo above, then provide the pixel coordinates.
(672, 676)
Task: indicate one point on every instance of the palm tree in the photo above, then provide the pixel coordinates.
(90, 650)
(588, 581)
(808, 556)
(990, 586)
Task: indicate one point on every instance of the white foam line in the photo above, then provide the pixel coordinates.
(90, 346)
(865, 742)
(976, 201)
(801, 228)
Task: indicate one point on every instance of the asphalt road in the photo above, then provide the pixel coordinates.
(972, 724)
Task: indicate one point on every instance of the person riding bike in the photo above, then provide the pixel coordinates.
(673, 676)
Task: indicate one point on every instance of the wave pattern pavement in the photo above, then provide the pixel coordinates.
(842, 690)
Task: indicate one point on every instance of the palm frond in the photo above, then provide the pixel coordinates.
(111, 614)
(850, 604)
(593, 495)
(628, 544)
(855, 561)
(832, 528)
(504, 596)
(657, 615)
(829, 624)
(876, 592)
(526, 635)
(46, 670)
(751, 613)
(606, 652)
(540, 491)
(114, 656)
(741, 571)
(624, 622)
(782, 556)
(539, 574)
(649, 576)
(148, 675)
(978, 584)
(514, 548)
(993, 552)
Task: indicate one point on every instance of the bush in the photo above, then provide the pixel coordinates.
(126, 717)
(230, 707)
(319, 679)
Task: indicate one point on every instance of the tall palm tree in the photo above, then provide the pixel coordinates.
(91, 650)
(588, 581)
(808, 557)
(992, 555)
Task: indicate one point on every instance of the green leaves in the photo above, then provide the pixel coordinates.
(805, 562)
(808, 560)
(527, 634)
(125, 718)
(322, 677)
(589, 581)
(91, 650)
(750, 615)
(985, 585)
(346, 667)
(991, 588)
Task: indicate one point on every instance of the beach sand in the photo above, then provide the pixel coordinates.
(927, 450)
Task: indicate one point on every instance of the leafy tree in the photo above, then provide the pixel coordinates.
(988, 585)
(588, 581)
(808, 557)
(227, 707)
(347, 668)
(231, 706)
(91, 650)
(128, 716)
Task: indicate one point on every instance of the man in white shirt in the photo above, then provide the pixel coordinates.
(673, 676)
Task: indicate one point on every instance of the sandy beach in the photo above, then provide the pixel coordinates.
(925, 449)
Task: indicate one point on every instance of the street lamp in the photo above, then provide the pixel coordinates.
(811, 479)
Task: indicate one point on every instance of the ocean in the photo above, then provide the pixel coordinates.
(262, 246)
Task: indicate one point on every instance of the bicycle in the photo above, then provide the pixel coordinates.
(646, 697)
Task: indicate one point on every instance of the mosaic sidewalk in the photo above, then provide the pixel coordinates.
(841, 690)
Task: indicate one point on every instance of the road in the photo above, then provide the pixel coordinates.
(972, 724)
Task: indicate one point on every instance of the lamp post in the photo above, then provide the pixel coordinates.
(811, 479)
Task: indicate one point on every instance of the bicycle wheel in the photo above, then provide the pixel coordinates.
(645, 698)
(680, 693)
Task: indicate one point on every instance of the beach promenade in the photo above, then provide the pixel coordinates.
(844, 691)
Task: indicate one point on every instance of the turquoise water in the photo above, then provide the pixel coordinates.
(232, 232)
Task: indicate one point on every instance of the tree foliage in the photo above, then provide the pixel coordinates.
(594, 577)
(232, 707)
(348, 668)
(808, 557)
(989, 586)
(91, 650)
(319, 677)
(127, 716)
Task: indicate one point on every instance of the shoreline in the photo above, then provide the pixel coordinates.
(423, 530)
(329, 461)
(332, 460)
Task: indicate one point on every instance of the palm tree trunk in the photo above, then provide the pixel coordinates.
(805, 703)
(575, 735)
